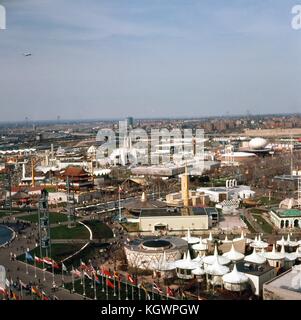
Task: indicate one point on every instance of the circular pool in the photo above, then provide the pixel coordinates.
(6, 234)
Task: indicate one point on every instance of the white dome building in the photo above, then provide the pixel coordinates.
(215, 273)
(275, 258)
(191, 240)
(235, 280)
(233, 254)
(255, 258)
(257, 143)
(166, 268)
(210, 260)
(200, 248)
(259, 244)
(185, 266)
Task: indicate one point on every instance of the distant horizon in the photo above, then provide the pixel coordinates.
(55, 121)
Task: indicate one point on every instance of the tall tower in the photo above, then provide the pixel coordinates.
(185, 187)
(33, 183)
(44, 225)
(70, 204)
(299, 192)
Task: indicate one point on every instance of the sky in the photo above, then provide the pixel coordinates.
(101, 59)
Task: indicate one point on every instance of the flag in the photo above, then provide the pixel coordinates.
(110, 284)
(64, 268)
(106, 273)
(96, 279)
(44, 296)
(131, 280)
(23, 285)
(157, 288)
(7, 282)
(55, 265)
(120, 189)
(48, 261)
(87, 275)
(2, 290)
(76, 273)
(28, 256)
(116, 275)
(15, 296)
(34, 290)
(38, 260)
(82, 266)
(147, 296)
(170, 292)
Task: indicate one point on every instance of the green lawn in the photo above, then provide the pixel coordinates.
(53, 216)
(251, 229)
(266, 201)
(58, 252)
(99, 229)
(63, 232)
(266, 227)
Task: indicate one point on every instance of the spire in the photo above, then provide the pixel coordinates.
(242, 236)
(210, 236)
(288, 237)
(226, 239)
(188, 233)
(188, 257)
(143, 197)
(282, 249)
(274, 249)
(215, 251)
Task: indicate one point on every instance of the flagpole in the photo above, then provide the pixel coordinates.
(139, 292)
(26, 262)
(84, 286)
(53, 281)
(132, 292)
(107, 293)
(35, 267)
(119, 298)
(153, 292)
(63, 285)
(72, 278)
(21, 289)
(44, 271)
(114, 285)
(126, 289)
(102, 283)
(95, 296)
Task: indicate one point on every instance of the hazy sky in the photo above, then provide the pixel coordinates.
(148, 58)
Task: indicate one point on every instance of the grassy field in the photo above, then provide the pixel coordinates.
(251, 229)
(267, 202)
(266, 227)
(63, 232)
(102, 295)
(58, 252)
(99, 229)
(53, 217)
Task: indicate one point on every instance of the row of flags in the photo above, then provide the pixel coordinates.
(89, 271)
(9, 294)
(45, 260)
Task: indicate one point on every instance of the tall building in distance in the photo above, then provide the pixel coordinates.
(130, 122)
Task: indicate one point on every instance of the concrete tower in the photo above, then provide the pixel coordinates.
(185, 187)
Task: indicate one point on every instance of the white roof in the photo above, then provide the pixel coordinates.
(288, 256)
(186, 263)
(198, 271)
(274, 255)
(199, 259)
(226, 240)
(233, 254)
(200, 246)
(165, 265)
(297, 253)
(210, 260)
(209, 239)
(216, 269)
(235, 277)
(190, 239)
(254, 257)
(259, 244)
